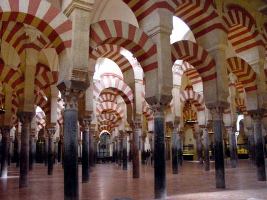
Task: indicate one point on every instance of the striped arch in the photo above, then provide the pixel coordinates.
(127, 36)
(143, 8)
(196, 56)
(240, 104)
(242, 30)
(14, 34)
(243, 72)
(265, 38)
(41, 15)
(44, 77)
(196, 98)
(113, 53)
(112, 118)
(116, 85)
(43, 103)
(109, 107)
(147, 111)
(200, 15)
(107, 96)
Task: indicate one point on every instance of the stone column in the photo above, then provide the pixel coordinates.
(219, 153)
(252, 150)
(46, 148)
(159, 152)
(50, 153)
(85, 149)
(70, 96)
(91, 148)
(25, 118)
(124, 152)
(136, 133)
(199, 148)
(120, 149)
(4, 151)
(143, 152)
(180, 148)
(32, 154)
(259, 149)
(206, 149)
(233, 147)
(175, 160)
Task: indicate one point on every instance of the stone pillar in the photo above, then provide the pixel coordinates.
(159, 152)
(85, 149)
(206, 149)
(199, 148)
(232, 146)
(4, 151)
(120, 149)
(136, 134)
(180, 148)
(91, 148)
(25, 118)
(219, 153)
(252, 149)
(124, 152)
(70, 96)
(32, 154)
(50, 153)
(46, 148)
(143, 152)
(259, 149)
(175, 160)
(18, 148)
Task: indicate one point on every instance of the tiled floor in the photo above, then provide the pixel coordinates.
(109, 182)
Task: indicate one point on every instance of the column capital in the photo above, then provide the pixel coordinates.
(51, 131)
(85, 122)
(25, 117)
(256, 114)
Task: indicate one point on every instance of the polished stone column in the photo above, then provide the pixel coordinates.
(25, 118)
(259, 149)
(50, 154)
(232, 146)
(219, 153)
(179, 148)
(136, 134)
(70, 115)
(175, 161)
(32, 154)
(199, 148)
(85, 149)
(46, 141)
(206, 149)
(124, 152)
(143, 152)
(18, 149)
(91, 148)
(4, 150)
(120, 150)
(251, 140)
(159, 152)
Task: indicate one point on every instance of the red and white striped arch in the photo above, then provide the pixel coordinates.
(41, 15)
(107, 96)
(14, 34)
(196, 56)
(114, 84)
(143, 8)
(113, 53)
(190, 95)
(127, 36)
(242, 29)
(113, 118)
(244, 73)
(200, 15)
(147, 111)
(44, 77)
(109, 107)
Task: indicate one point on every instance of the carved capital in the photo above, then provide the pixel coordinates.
(5, 131)
(216, 113)
(51, 131)
(25, 117)
(86, 121)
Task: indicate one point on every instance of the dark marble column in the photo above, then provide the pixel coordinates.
(31, 146)
(219, 153)
(120, 150)
(206, 149)
(25, 118)
(136, 134)
(18, 149)
(252, 149)
(4, 150)
(51, 130)
(46, 141)
(199, 147)
(85, 149)
(159, 152)
(259, 149)
(70, 115)
(143, 152)
(91, 148)
(232, 146)
(124, 152)
(175, 151)
(179, 148)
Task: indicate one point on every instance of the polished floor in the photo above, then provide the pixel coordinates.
(109, 182)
